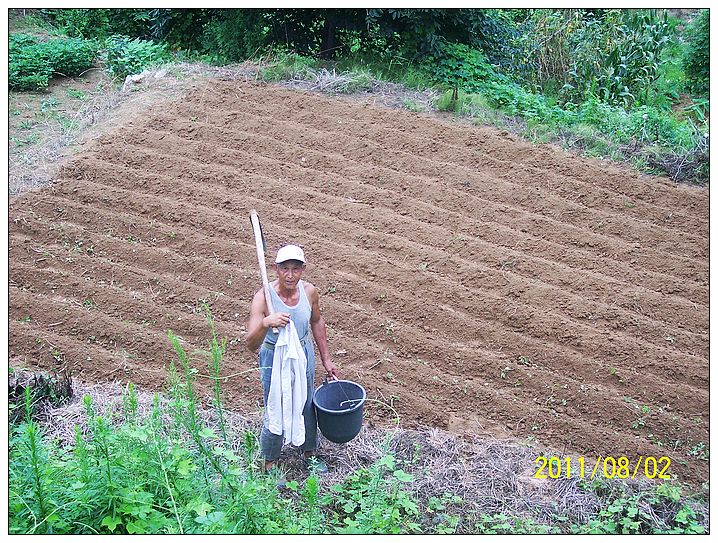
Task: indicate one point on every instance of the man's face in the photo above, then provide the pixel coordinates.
(290, 272)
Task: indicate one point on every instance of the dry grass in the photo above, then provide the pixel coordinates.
(35, 166)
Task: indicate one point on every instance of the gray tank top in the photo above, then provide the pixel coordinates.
(300, 313)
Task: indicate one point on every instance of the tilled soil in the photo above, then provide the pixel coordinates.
(470, 281)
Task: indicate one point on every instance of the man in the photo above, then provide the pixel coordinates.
(297, 300)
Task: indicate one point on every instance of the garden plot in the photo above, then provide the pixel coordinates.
(470, 281)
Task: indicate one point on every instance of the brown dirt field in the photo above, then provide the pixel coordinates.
(477, 283)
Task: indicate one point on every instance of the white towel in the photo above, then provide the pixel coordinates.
(288, 387)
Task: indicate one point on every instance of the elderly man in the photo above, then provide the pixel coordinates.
(297, 300)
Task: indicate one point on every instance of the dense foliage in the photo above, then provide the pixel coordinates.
(697, 55)
(124, 56)
(32, 63)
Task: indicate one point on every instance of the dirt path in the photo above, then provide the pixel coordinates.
(476, 283)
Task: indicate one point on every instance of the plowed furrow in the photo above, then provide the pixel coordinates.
(558, 333)
(667, 285)
(353, 136)
(537, 201)
(675, 253)
(463, 232)
(391, 129)
(527, 292)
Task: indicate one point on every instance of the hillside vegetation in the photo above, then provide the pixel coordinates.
(628, 85)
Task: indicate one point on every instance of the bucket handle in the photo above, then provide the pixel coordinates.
(340, 386)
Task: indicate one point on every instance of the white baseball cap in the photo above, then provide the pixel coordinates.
(290, 252)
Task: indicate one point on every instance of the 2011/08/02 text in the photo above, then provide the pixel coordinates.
(610, 467)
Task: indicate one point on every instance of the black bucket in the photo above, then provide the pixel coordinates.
(340, 409)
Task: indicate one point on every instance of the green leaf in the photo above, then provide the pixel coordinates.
(202, 508)
(208, 433)
(403, 476)
(136, 527)
(349, 506)
(111, 522)
(184, 467)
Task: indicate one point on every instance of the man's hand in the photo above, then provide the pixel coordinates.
(276, 320)
(331, 369)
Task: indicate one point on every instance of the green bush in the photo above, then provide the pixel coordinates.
(32, 63)
(125, 56)
(234, 35)
(461, 66)
(696, 61)
(82, 23)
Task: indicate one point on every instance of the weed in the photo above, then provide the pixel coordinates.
(76, 94)
(48, 104)
(372, 501)
(388, 327)
(699, 450)
(638, 423)
(27, 140)
(524, 360)
(412, 105)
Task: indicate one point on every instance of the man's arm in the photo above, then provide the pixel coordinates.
(319, 331)
(259, 322)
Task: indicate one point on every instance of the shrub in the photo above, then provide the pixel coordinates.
(461, 66)
(124, 56)
(234, 35)
(82, 23)
(696, 61)
(32, 63)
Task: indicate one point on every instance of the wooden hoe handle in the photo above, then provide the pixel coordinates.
(259, 243)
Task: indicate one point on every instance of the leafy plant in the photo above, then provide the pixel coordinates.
(372, 501)
(617, 58)
(696, 60)
(125, 56)
(32, 63)
(631, 514)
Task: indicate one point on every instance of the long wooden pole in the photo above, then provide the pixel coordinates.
(259, 243)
